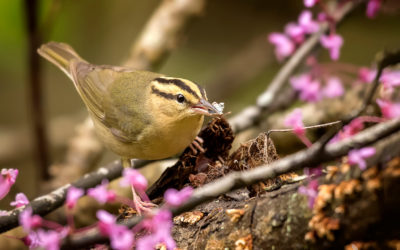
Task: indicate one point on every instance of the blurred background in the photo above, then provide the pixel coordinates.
(226, 44)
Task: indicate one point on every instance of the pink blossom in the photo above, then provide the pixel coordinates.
(106, 222)
(312, 92)
(31, 240)
(358, 156)
(50, 239)
(366, 75)
(333, 43)
(311, 191)
(176, 198)
(333, 88)
(322, 17)
(120, 236)
(390, 79)
(307, 23)
(389, 109)
(309, 89)
(295, 32)
(310, 3)
(294, 120)
(373, 7)
(29, 221)
(132, 177)
(20, 200)
(284, 47)
(3, 213)
(7, 179)
(349, 130)
(73, 194)
(101, 194)
(160, 228)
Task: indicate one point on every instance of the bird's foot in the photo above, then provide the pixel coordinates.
(197, 145)
(140, 205)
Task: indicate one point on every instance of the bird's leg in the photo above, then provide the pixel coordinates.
(138, 198)
(197, 145)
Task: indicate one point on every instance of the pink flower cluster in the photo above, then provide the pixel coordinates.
(7, 179)
(311, 90)
(295, 33)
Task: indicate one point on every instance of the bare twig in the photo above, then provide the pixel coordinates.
(312, 156)
(35, 89)
(252, 115)
(162, 32)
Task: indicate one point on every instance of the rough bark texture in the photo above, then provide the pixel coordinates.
(352, 208)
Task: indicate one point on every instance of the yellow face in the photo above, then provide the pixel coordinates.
(179, 98)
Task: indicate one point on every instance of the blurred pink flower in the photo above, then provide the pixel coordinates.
(366, 75)
(307, 23)
(176, 198)
(373, 7)
(358, 156)
(3, 213)
(311, 191)
(20, 200)
(31, 240)
(7, 179)
(73, 194)
(333, 43)
(389, 109)
(333, 88)
(284, 47)
(294, 120)
(101, 194)
(50, 240)
(29, 221)
(121, 237)
(132, 177)
(390, 79)
(310, 3)
(309, 89)
(295, 32)
(160, 227)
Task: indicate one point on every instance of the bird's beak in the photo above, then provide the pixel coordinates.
(205, 108)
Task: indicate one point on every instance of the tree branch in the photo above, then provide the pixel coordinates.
(163, 32)
(312, 156)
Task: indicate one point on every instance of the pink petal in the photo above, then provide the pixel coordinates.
(310, 3)
(294, 120)
(132, 177)
(20, 200)
(373, 7)
(7, 180)
(176, 198)
(73, 194)
(307, 23)
(389, 109)
(284, 47)
(101, 194)
(366, 75)
(333, 88)
(333, 43)
(312, 93)
(295, 32)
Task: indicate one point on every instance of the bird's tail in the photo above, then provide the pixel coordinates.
(61, 55)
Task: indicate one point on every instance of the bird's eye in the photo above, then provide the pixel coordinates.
(180, 98)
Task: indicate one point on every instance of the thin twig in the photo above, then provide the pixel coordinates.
(328, 124)
(313, 156)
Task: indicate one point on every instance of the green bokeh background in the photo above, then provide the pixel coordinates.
(102, 32)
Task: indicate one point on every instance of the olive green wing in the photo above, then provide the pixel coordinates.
(115, 96)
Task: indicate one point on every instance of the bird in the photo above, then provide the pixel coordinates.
(135, 113)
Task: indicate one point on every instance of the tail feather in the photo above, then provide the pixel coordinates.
(61, 55)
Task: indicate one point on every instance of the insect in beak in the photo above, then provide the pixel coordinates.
(205, 108)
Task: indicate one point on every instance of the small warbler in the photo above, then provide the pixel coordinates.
(137, 114)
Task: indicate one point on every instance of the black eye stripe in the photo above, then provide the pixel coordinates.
(181, 85)
(168, 96)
